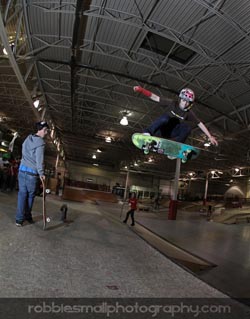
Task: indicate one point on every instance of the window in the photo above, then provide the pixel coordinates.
(163, 46)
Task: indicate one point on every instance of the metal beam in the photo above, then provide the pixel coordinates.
(15, 67)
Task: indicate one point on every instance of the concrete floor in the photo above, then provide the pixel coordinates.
(94, 255)
(226, 246)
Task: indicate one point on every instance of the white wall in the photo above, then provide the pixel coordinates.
(150, 182)
(101, 176)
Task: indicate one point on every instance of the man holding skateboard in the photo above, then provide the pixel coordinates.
(176, 124)
(31, 168)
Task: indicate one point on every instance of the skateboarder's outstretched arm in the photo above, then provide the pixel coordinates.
(206, 131)
(147, 93)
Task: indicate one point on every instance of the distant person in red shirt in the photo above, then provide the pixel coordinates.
(133, 206)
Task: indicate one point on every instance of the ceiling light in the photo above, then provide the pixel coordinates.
(36, 103)
(96, 164)
(94, 156)
(108, 139)
(12, 45)
(215, 174)
(124, 121)
(207, 144)
(98, 150)
(125, 114)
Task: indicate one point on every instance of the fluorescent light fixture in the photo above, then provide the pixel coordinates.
(108, 139)
(12, 45)
(96, 164)
(36, 103)
(124, 121)
(98, 150)
(207, 144)
(93, 156)
(52, 132)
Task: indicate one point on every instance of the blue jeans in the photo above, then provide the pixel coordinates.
(27, 192)
(170, 127)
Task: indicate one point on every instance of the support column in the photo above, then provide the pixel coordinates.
(173, 202)
(205, 194)
(126, 185)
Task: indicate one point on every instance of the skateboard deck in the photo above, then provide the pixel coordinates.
(164, 146)
(44, 206)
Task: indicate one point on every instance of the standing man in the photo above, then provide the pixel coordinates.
(31, 168)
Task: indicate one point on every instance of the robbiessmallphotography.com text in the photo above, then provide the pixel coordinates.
(133, 308)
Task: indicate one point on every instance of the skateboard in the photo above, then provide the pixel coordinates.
(45, 218)
(164, 146)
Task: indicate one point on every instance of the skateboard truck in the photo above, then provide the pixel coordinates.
(150, 146)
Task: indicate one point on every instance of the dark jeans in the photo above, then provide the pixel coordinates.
(131, 213)
(26, 194)
(169, 127)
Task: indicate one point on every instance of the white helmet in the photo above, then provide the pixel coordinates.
(187, 95)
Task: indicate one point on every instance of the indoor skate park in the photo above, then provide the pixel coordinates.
(75, 64)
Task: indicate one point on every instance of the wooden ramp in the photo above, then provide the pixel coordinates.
(81, 195)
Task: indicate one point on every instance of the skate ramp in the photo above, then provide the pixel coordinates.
(81, 195)
(232, 216)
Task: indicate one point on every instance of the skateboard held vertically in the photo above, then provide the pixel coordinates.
(44, 206)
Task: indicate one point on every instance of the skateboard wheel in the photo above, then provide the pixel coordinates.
(47, 219)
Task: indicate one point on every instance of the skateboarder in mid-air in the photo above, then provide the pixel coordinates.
(176, 124)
